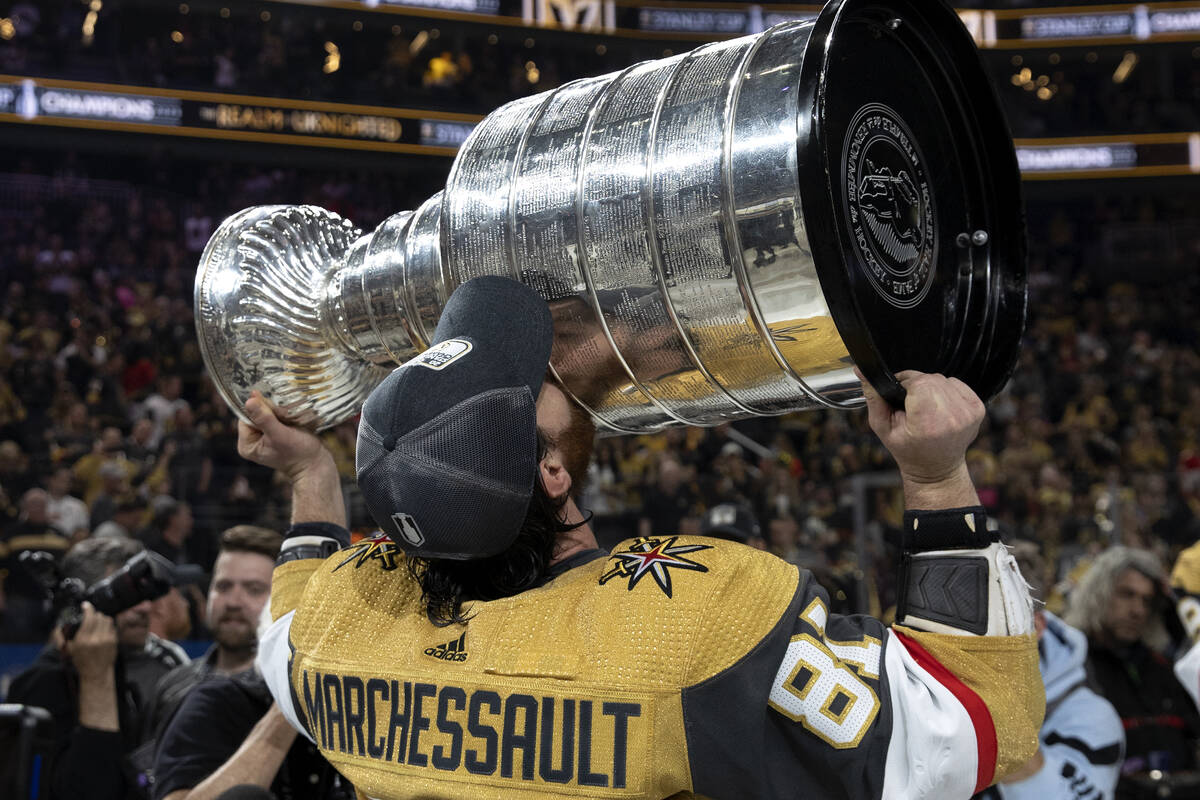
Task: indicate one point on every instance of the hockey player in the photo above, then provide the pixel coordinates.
(482, 646)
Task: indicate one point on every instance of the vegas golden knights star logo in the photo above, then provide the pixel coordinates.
(655, 557)
(378, 548)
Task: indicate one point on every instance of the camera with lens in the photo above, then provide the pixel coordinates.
(145, 576)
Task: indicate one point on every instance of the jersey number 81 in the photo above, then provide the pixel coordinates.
(818, 687)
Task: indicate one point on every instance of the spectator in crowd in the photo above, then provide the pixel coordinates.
(1082, 741)
(734, 522)
(191, 465)
(160, 408)
(667, 502)
(15, 475)
(25, 617)
(114, 485)
(100, 469)
(71, 438)
(95, 684)
(783, 538)
(1118, 605)
(228, 733)
(217, 726)
(66, 513)
(169, 530)
(240, 586)
(126, 519)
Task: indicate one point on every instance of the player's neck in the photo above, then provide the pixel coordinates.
(576, 540)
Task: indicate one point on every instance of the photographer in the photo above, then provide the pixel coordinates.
(95, 683)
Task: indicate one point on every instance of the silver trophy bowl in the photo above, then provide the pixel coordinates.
(721, 234)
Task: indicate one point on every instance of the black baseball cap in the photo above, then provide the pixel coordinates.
(447, 444)
(731, 521)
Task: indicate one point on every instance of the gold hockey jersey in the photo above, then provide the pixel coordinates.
(672, 666)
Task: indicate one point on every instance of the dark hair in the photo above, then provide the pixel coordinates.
(91, 558)
(251, 539)
(446, 584)
(163, 512)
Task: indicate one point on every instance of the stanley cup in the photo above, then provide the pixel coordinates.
(720, 234)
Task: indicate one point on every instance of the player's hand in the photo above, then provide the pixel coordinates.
(272, 443)
(93, 651)
(929, 437)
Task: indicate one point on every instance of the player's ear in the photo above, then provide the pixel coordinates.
(555, 478)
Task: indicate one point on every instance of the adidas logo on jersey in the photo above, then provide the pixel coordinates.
(450, 651)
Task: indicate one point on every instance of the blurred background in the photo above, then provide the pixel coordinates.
(131, 129)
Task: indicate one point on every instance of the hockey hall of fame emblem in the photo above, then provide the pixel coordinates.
(889, 205)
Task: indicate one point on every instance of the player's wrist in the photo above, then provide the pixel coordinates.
(314, 470)
(953, 489)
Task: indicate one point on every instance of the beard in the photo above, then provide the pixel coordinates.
(235, 632)
(576, 443)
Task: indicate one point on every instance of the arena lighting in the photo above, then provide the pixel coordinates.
(7, 29)
(418, 43)
(1125, 67)
(89, 21)
(333, 58)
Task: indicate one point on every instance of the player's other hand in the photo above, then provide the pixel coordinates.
(930, 435)
(273, 443)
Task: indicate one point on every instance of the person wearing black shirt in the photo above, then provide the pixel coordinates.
(240, 588)
(95, 684)
(228, 733)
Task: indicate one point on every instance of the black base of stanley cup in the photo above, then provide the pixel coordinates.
(920, 235)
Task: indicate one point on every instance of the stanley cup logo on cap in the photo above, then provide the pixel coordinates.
(408, 529)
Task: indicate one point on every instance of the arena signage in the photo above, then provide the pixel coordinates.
(209, 115)
(1137, 23)
(1078, 26)
(1077, 157)
(442, 133)
(695, 21)
(37, 101)
(1180, 20)
(237, 116)
(468, 6)
(30, 101)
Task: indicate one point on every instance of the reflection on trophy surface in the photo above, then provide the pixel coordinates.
(719, 234)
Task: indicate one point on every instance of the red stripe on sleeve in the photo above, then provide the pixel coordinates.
(977, 710)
